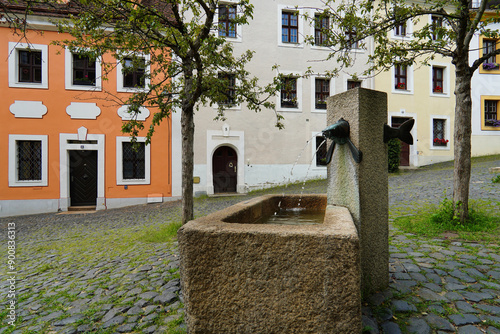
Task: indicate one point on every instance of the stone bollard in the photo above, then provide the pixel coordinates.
(363, 187)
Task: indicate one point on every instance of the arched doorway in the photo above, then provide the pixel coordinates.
(224, 169)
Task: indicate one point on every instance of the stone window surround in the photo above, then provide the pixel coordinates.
(13, 63)
(68, 74)
(446, 79)
(119, 162)
(447, 132)
(300, 22)
(298, 76)
(409, 81)
(13, 162)
(239, 29)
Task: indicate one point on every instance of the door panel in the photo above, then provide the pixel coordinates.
(224, 169)
(83, 177)
(404, 159)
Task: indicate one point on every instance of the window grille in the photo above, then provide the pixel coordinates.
(29, 160)
(289, 27)
(227, 15)
(30, 66)
(489, 45)
(134, 166)
(438, 133)
(83, 70)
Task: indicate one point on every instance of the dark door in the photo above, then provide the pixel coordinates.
(224, 169)
(404, 159)
(83, 178)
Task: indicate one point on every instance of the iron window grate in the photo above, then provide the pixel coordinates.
(29, 155)
(134, 161)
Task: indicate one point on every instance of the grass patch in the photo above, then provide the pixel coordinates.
(163, 233)
(496, 179)
(432, 221)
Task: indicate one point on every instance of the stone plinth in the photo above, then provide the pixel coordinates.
(239, 276)
(363, 187)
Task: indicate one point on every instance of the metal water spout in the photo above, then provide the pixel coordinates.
(339, 133)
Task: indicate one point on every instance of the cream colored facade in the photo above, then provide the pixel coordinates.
(267, 156)
(423, 103)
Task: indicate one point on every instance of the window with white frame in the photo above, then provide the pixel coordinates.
(28, 65)
(27, 160)
(437, 79)
(439, 132)
(352, 39)
(321, 92)
(401, 77)
(133, 164)
(230, 88)
(321, 25)
(436, 27)
(82, 72)
(290, 27)
(132, 73)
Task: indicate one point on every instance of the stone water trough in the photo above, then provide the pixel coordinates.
(239, 275)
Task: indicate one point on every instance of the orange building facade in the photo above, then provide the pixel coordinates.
(61, 140)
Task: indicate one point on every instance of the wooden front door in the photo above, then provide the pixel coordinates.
(83, 178)
(404, 158)
(224, 169)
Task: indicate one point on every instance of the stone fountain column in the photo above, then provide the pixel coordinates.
(363, 187)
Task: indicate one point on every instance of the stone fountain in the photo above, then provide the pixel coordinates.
(241, 276)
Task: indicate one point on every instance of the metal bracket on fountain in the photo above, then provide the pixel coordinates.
(402, 132)
(339, 133)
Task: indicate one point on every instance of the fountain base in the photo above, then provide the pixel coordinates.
(239, 276)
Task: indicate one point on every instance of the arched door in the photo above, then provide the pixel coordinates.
(224, 169)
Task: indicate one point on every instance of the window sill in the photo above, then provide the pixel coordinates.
(440, 148)
(438, 94)
(293, 110)
(28, 85)
(41, 183)
(402, 91)
(291, 45)
(132, 182)
(131, 90)
(490, 128)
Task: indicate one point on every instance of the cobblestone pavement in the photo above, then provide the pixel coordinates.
(104, 272)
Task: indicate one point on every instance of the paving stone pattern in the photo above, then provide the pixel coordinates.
(436, 285)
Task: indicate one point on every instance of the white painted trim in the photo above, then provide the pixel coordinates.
(119, 162)
(313, 93)
(126, 116)
(235, 140)
(409, 32)
(83, 110)
(64, 147)
(14, 62)
(446, 79)
(239, 28)
(409, 83)
(119, 73)
(28, 109)
(300, 22)
(298, 76)
(13, 162)
(447, 133)
(68, 74)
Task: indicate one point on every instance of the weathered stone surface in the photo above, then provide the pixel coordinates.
(271, 278)
(363, 188)
(464, 319)
(469, 329)
(390, 328)
(438, 322)
(403, 306)
(418, 326)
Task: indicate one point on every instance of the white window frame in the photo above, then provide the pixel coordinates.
(312, 27)
(119, 162)
(447, 133)
(446, 80)
(119, 74)
(14, 49)
(313, 93)
(68, 73)
(298, 77)
(409, 81)
(13, 162)
(239, 30)
(300, 20)
(409, 32)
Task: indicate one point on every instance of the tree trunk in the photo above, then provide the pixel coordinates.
(187, 131)
(462, 139)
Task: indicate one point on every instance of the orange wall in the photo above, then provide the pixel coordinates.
(56, 98)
